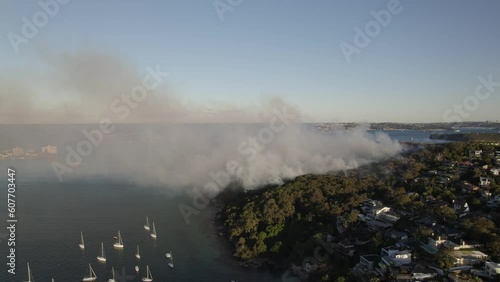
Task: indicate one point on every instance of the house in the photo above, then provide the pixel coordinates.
(393, 256)
(394, 234)
(443, 179)
(489, 153)
(461, 207)
(448, 164)
(376, 210)
(484, 181)
(464, 166)
(475, 153)
(485, 195)
(378, 225)
(391, 259)
(447, 232)
(467, 257)
(492, 269)
(495, 202)
(346, 247)
(495, 171)
(421, 272)
(468, 187)
(367, 263)
(433, 244)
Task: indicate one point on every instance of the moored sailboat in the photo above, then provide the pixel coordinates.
(171, 263)
(146, 226)
(113, 272)
(91, 275)
(30, 275)
(148, 277)
(153, 234)
(82, 244)
(102, 257)
(137, 254)
(119, 244)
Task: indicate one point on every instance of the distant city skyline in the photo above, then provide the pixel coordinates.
(428, 62)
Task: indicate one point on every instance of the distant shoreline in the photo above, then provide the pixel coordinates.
(468, 137)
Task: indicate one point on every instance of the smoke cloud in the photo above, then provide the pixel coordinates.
(167, 140)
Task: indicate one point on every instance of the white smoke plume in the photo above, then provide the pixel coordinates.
(172, 142)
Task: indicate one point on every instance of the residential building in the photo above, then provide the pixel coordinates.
(495, 202)
(464, 166)
(367, 263)
(495, 171)
(492, 269)
(475, 153)
(434, 244)
(468, 187)
(399, 235)
(393, 256)
(461, 207)
(50, 149)
(467, 257)
(346, 247)
(18, 151)
(421, 272)
(484, 181)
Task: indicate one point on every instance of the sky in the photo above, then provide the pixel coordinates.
(425, 60)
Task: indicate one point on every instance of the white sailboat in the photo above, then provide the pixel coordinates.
(82, 244)
(153, 234)
(91, 275)
(137, 254)
(148, 277)
(113, 272)
(146, 226)
(137, 268)
(171, 263)
(102, 256)
(30, 275)
(119, 244)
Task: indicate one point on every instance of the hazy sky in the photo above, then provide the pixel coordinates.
(426, 59)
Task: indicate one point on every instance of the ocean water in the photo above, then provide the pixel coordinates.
(52, 214)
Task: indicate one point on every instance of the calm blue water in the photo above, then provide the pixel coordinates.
(51, 216)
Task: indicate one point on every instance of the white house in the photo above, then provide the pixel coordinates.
(495, 171)
(392, 255)
(484, 181)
